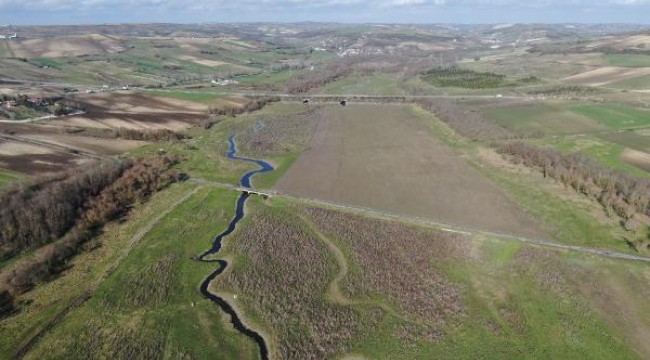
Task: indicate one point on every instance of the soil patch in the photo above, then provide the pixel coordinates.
(636, 158)
(384, 158)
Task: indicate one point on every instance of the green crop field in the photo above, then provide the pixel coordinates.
(615, 116)
(195, 96)
(598, 147)
(628, 60)
(549, 118)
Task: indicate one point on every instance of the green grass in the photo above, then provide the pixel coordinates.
(205, 154)
(268, 78)
(5, 50)
(549, 118)
(7, 177)
(151, 307)
(510, 309)
(531, 319)
(195, 96)
(49, 62)
(631, 139)
(628, 60)
(615, 116)
(596, 147)
(42, 303)
(569, 221)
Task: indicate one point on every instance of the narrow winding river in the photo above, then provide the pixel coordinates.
(245, 181)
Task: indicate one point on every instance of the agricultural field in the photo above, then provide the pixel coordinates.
(65, 46)
(611, 133)
(607, 75)
(384, 157)
(628, 60)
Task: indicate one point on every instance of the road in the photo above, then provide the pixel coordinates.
(452, 228)
(47, 117)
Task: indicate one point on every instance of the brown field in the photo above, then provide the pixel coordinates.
(58, 143)
(40, 164)
(135, 111)
(385, 158)
(54, 152)
(15, 148)
(199, 61)
(110, 120)
(89, 144)
(606, 75)
(622, 42)
(66, 46)
(140, 103)
(636, 158)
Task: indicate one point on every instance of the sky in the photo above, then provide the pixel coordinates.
(34, 12)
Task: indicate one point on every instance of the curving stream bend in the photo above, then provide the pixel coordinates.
(245, 181)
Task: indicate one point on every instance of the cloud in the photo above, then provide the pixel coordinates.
(61, 4)
(473, 11)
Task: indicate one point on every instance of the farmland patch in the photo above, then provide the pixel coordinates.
(606, 75)
(383, 157)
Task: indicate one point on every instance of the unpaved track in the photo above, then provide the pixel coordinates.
(334, 293)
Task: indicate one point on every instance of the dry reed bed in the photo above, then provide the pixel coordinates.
(281, 275)
(399, 261)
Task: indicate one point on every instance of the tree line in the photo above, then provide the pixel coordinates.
(468, 124)
(57, 215)
(618, 191)
(249, 106)
(464, 78)
(215, 113)
(318, 77)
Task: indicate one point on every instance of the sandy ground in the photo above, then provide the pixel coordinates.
(636, 158)
(90, 144)
(13, 148)
(205, 62)
(384, 158)
(135, 111)
(606, 75)
(140, 103)
(169, 121)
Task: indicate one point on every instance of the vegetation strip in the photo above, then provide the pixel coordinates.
(245, 182)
